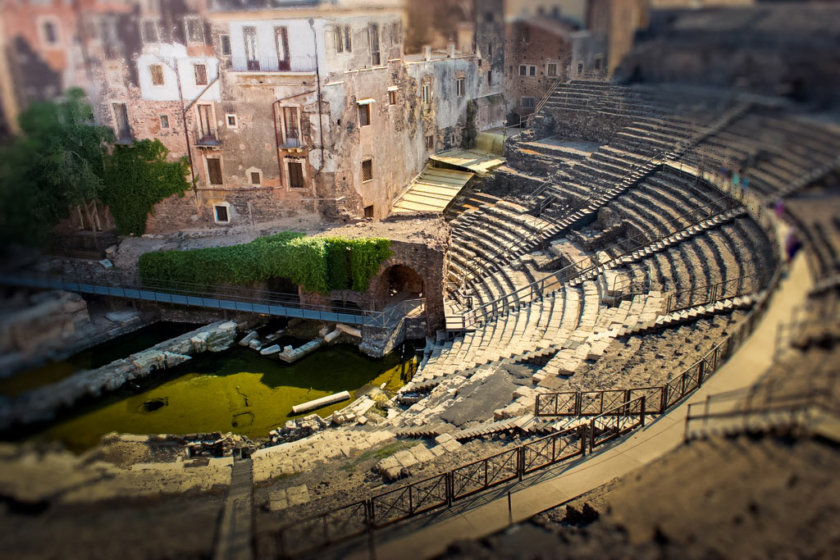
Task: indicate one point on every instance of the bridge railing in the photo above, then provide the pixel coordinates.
(229, 298)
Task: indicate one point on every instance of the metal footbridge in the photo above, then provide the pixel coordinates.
(225, 298)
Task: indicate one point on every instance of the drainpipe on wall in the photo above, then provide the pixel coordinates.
(318, 86)
(186, 131)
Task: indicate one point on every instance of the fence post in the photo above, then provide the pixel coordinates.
(642, 411)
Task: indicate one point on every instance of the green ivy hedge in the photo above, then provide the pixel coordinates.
(318, 264)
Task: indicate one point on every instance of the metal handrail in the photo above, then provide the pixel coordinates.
(195, 296)
(565, 274)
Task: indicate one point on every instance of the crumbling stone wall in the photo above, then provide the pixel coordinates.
(49, 318)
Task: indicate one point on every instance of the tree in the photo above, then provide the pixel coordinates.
(64, 161)
(139, 176)
(57, 163)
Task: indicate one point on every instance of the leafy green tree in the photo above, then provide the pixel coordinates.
(137, 177)
(63, 160)
(57, 163)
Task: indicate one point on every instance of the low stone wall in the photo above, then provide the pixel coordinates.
(46, 323)
(42, 404)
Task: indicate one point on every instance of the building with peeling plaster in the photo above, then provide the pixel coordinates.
(284, 108)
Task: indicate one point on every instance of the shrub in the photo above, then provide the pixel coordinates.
(318, 264)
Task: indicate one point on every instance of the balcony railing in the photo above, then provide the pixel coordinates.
(203, 138)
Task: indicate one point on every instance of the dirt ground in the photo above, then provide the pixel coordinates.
(719, 498)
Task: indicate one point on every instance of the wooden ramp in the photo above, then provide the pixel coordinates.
(474, 160)
(431, 191)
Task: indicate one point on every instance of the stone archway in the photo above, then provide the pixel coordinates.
(403, 282)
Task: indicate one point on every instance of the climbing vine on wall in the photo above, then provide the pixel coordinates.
(137, 177)
(319, 264)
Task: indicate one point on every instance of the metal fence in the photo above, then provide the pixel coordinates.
(656, 399)
(435, 492)
(613, 413)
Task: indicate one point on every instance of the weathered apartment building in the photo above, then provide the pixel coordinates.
(283, 108)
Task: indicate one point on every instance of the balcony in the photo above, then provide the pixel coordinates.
(206, 139)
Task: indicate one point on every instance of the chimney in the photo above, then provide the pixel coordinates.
(427, 52)
(451, 49)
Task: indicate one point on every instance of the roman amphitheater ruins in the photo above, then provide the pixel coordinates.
(627, 257)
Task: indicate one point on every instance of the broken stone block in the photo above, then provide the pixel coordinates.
(171, 359)
(270, 350)
(422, 454)
(443, 438)
(246, 340)
(405, 458)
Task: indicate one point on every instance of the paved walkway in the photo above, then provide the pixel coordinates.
(642, 447)
(236, 524)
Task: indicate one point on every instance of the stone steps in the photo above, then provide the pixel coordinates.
(692, 314)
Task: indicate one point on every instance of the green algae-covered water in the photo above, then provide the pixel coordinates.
(233, 391)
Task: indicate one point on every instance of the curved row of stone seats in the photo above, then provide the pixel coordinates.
(666, 202)
(774, 152)
(650, 360)
(483, 241)
(819, 226)
(636, 101)
(540, 323)
(730, 256)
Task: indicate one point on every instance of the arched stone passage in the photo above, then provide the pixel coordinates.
(403, 283)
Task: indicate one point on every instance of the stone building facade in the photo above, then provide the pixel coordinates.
(311, 109)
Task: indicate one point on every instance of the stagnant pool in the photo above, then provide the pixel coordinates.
(92, 358)
(233, 391)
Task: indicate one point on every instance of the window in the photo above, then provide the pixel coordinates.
(532, 70)
(200, 71)
(224, 43)
(149, 31)
(369, 211)
(580, 68)
(50, 33)
(430, 142)
(221, 214)
(214, 170)
(489, 49)
(523, 70)
(205, 128)
(348, 44)
(195, 31)
(489, 77)
(427, 93)
(459, 86)
(157, 74)
(597, 63)
(392, 97)
(164, 121)
(291, 127)
(551, 70)
(527, 102)
(527, 70)
(295, 174)
(373, 36)
(364, 115)
(367, 170)
(255, 177)
(121, 122)
(281, 41)
(230, 119)
(250, 36)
